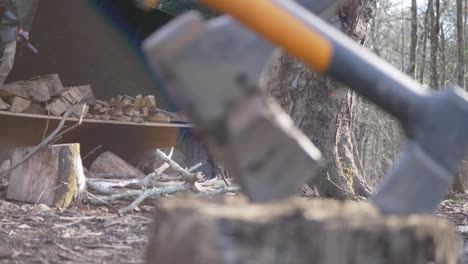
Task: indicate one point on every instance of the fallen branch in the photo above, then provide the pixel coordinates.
(155, 185)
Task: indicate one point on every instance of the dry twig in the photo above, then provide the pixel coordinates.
(155, 185)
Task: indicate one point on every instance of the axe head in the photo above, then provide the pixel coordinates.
(211, 69)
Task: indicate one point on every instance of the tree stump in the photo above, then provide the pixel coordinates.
(53, 176)
(295, 231)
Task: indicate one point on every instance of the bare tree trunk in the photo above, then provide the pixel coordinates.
(434, 41)
(322, 108)
(461, 45)
(443, 60)
(414, 39)
(458, 184)
(402, 31)
(424, 46)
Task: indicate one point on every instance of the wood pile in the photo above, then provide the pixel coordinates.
(46, 95)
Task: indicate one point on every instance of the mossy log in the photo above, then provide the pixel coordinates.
(53, 176)
(295, 231)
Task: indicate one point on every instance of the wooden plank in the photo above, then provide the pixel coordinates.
(53, 176)
(125, 139)
(232, 230)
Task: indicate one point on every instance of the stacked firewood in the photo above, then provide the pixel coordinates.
(45, 95)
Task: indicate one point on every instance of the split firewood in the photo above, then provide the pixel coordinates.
(139, 102)
(158, 118)
(35, 109)
(108, 162)
(38, 89)
(53, 176)
(5, 165)
(232, 230)
(150, 101)
(18, 104)
(4, 105)
(52, 82)
(58, 106)
(13, 89)
(78, 110)
(78, 94)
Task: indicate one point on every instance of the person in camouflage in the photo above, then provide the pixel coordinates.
(24, 10)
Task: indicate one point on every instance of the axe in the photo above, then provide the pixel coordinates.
(257, 140)
(435, 123)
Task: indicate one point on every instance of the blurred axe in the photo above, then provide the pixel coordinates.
(436, 123)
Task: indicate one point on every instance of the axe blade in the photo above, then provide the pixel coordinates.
(212, 69)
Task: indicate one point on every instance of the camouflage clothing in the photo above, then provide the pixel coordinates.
(24, 10)
(177, 7)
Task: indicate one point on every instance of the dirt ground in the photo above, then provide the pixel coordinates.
(39, 234)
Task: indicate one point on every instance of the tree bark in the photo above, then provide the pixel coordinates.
(414, 39)
(461, 45)
(434, 36)
(295, 231)
(458, 184)
(424, 46)
(323, 108)
(443, 57)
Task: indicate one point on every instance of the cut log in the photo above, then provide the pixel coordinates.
(53, 176)
(295, 231)
(4, 105)
(78, 94)
(108, 162)
(58, 106)
(18, 104)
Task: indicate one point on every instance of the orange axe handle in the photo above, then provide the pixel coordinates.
(327, 50)
(292, 34)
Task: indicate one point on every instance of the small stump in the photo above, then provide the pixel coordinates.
(52, 176)
(295, 231)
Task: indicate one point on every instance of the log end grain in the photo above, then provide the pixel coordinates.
(295, 231)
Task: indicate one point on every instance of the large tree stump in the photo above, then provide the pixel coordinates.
(53, 176)
(295, 231)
